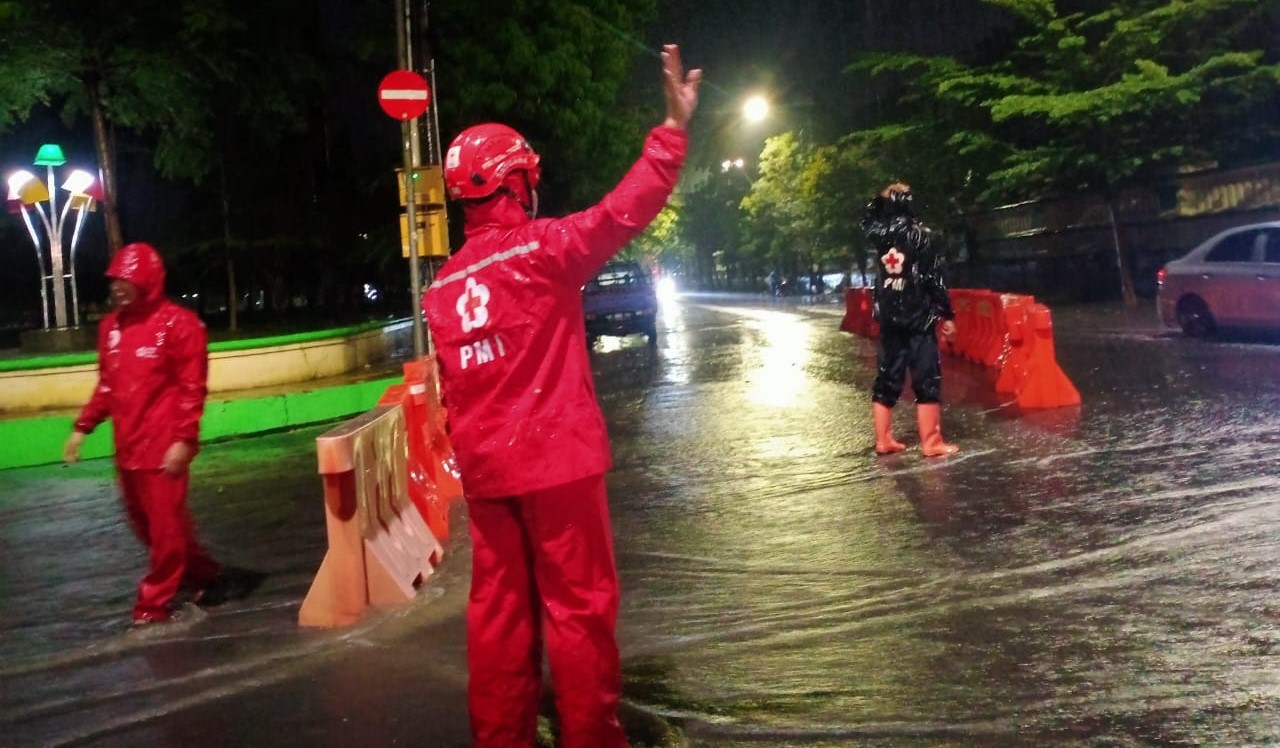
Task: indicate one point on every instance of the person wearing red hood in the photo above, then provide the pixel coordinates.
(152, 365)
(505, 314)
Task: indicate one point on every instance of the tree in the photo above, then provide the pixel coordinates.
(268, 105)
(257, 123)
(775, 214)
(837, 182)
(553, 70)
(805, 206)
(662, 243)
(121, 71)
(1112, 93)
(710, 220)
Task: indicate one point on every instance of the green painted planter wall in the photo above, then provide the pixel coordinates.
(38, 440)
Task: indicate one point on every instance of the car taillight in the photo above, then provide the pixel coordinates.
(1161, 274)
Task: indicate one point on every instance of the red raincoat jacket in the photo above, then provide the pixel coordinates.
(506, 318)
(152, 367)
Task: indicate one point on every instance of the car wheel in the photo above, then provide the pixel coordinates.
(1194, 317)
(651, 333)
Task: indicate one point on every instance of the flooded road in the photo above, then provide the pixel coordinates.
(1101, 575)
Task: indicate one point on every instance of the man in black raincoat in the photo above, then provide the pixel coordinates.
(910, 301)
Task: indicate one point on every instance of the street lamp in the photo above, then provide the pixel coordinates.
(728, 164)
(755, 109)
(27, 194)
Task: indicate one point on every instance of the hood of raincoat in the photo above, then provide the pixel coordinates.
(502, 211)
(140, 264)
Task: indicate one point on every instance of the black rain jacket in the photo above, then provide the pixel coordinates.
(911, 293)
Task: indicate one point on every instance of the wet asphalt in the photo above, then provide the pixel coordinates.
(1100, 575)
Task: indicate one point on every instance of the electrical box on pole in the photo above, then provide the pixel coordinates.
(432, 236)
(428, 186)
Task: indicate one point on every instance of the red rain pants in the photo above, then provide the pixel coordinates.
(543, 568)
(156, 505)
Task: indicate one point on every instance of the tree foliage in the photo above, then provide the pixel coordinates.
(1076, 96)
(804, 208)
(251, 133)
(1091, 98)
(662, 243)
(144, 64)
(552, 69)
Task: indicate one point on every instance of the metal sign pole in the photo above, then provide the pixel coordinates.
(55, 255)
(407, 137)
(415, 282)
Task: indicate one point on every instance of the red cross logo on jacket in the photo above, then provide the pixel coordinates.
(893, 260)
(471, 305)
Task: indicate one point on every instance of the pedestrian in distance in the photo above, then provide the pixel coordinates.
(505, 314)
(152, 367)
(911, 300)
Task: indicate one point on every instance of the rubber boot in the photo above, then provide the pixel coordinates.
(885, 443)
(929, 418)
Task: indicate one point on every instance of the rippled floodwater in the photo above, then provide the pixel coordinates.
(1101, 575)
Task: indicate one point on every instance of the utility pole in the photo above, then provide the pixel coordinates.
(431, 151)
(409, 145)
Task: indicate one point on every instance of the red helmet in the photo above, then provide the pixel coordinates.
(482, 156)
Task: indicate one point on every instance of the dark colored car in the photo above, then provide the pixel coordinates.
(620, 300)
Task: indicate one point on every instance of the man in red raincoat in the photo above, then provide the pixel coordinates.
(152, 365)
(506, 317)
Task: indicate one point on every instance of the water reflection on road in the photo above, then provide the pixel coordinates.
(1101, 573)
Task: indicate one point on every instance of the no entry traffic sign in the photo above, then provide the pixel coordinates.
(404, 94)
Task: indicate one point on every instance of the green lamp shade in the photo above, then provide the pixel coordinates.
(50, 154)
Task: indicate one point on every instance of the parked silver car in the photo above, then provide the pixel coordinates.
(1231, 280)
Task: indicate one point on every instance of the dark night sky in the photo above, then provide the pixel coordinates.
(797, 51)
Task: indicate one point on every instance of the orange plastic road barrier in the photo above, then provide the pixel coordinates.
(989, 343)
(419, 476)
(1044, 384)
(380, 550)
(848, 323)
(423, 378)
(1017, 358)
(867, 305)
(859, 313)
(433, 477)
(963, 308)
(1010, 333)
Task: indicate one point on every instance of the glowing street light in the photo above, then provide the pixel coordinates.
(756, 108)
(27, 195)
(728, 164)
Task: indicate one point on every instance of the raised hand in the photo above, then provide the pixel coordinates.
(681, 90)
